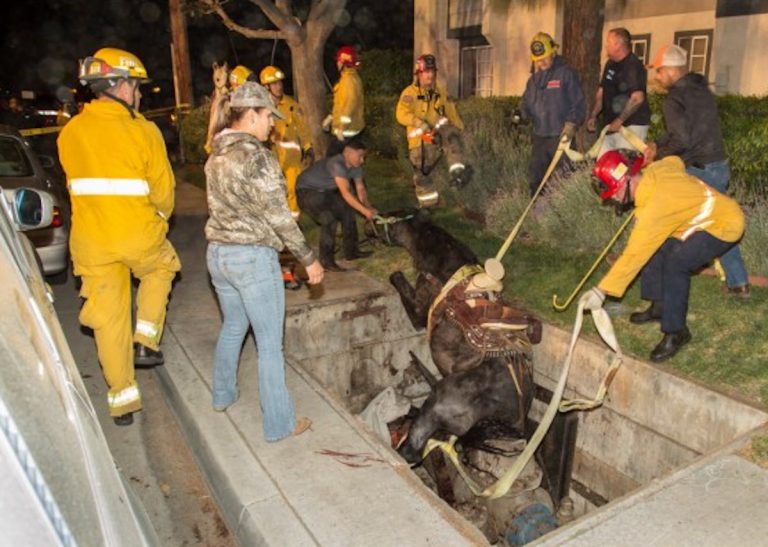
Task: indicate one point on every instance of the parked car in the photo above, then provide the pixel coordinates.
(59, 484)
(21, 166)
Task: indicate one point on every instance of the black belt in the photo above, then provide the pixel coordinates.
(317, 190)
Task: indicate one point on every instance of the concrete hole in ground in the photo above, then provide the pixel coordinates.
(652, 423)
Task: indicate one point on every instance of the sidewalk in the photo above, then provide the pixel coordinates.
(338, 485)
(334, 485)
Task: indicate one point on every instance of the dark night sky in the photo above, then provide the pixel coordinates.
(42, 40)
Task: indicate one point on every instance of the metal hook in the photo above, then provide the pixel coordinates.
(564, 306)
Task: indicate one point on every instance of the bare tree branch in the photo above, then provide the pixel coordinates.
(216, 7)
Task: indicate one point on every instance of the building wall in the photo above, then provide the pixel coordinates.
(522, 23)
(662, 29)
(740, 44)
(735, 66)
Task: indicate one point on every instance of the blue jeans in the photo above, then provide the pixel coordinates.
(717, 174)
(667, 276)
(249, 285)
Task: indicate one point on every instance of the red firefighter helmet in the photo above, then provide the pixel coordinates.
(425, 62)
(613, 170)
(347, 56)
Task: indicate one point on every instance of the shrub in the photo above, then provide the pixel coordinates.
(385, 136)
(386, 72)
(194, 130)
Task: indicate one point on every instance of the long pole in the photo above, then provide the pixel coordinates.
(182, 68)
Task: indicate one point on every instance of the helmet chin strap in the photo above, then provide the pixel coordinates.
(129, 107)
(627, 203)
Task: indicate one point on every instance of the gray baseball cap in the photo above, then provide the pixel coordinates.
(253, 95)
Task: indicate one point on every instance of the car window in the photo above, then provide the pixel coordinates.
(13, 160)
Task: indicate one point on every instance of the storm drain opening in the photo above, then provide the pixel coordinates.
(653, 421)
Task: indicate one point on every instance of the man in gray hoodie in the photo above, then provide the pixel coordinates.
(693, 133)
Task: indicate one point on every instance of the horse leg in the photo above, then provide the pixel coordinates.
(410, 299)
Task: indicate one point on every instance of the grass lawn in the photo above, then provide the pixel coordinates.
(729, 350)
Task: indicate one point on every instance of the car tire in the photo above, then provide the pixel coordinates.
(58, 278)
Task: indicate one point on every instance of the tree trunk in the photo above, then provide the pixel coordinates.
(309, 82)
(583, 41)
(306, 41)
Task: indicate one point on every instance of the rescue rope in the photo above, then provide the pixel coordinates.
(564, 147)
(498, 489)
(386, 222)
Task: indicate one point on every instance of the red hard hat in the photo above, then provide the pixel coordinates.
(613, 170)
(347, 56)
(425, 62)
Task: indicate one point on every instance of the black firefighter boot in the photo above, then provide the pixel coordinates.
(146, 357)
(653, 313)
(670, 345)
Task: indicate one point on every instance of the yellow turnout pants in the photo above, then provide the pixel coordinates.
(107, 310)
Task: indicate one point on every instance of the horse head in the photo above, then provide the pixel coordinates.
(220, 77)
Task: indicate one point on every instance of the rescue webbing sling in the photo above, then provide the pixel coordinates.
(605, 328)
(564, 147)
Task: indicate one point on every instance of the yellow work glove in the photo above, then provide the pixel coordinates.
(568, 132)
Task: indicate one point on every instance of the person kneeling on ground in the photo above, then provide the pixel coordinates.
(681, 224)
(325, 194)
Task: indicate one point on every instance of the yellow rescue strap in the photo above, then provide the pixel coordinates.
(458, 276)
(605, 328)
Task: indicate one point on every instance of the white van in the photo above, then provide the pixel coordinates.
(58, 480)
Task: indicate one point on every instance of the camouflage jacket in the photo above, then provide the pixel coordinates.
(246, 197)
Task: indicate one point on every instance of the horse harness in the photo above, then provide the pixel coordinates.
(491, 326)
(385, 223)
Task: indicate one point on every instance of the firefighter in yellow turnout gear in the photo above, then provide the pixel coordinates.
(346, 120)
(433, 128)
(290, 137)
(122, 192)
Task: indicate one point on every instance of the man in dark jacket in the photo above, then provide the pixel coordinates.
(553, 99)
(693, 133)
(621, 96)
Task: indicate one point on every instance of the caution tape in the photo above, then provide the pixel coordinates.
(40, 131)
(182, 108)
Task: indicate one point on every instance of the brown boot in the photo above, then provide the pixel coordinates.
(302, 424)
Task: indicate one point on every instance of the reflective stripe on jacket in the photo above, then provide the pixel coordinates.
(348, 102)
(417, 105)
(671, 203)
(120, 181)
(290, 136)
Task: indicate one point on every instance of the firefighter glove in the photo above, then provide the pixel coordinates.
(569, 130)
(327, 123)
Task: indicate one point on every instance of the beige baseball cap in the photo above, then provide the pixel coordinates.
(670, 55)
(253, 95)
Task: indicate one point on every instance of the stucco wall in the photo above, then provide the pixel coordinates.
(522, 23)
(736, 64)
(740, 45)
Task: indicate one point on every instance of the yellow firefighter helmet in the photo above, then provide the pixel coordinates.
(112, 64)
(270, 75)
(238, 76)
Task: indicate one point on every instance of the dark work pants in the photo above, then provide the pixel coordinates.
(542, 151)
(667, 276)
(328, 209)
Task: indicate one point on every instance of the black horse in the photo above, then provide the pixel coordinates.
(487, 373)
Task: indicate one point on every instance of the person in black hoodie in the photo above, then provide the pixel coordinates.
(554, 101)
(694, 134)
